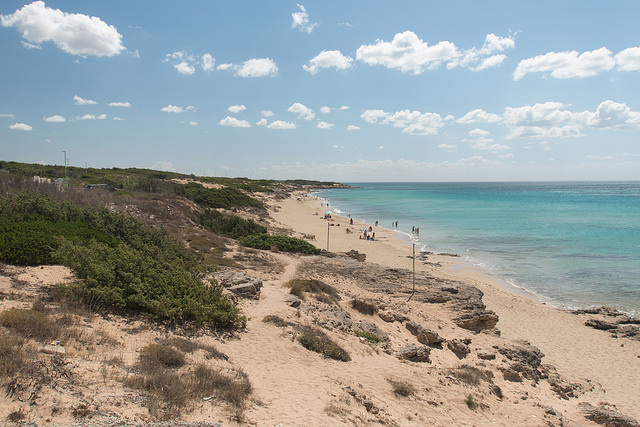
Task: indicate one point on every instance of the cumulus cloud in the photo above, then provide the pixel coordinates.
(20, 126)
(281, 125)
(208, 62)
(446, 146)
(353, 127)
(614, 115)
(6, 115)
(408, 53)
(324, 125)
(479, 115)
(236, 108)
(81, 101)
(262, 122)
(119, 104)
(411, 122)
(302, 111)
(234, 123)
(177, 109)
(325, 110)
(301, 20)
(55, 119)
(328, 59)
(92, 117)
(566, 65)
(185, 68)
(163, 165)
(261, 67)
(192, 123)
(74, 33)
(479, 138)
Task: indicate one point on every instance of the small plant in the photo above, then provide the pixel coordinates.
(17, 415)
(373, 339)
(183, 344)
(402, 388)
(233, 386)
(471, 403)
(154, 357)
(300, 286)
(276, 320)
(363, 307)
(316, 340)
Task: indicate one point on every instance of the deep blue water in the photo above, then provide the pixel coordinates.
(573, 244)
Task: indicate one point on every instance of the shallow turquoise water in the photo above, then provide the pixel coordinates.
(573, 244)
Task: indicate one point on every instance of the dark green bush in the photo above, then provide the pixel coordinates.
(282, 243)
(229, 225)
(225, 197)
(316, 340)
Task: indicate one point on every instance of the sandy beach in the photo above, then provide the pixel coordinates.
(577, 351)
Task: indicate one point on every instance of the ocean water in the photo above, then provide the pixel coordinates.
(572, 244)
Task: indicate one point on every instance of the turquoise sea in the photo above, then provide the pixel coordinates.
(572, 244)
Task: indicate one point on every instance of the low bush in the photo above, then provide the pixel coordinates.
(363, 307)
(232, 386)
(315, 340)
(471, 375)
(276, 320)
(225, 197)
(281, 243)
(299, 287)
(229, 225)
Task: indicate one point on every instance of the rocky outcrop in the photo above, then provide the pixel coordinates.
(607, 415)
(424, 336)
(459, 347)
(525, 359)
(239, 283)
(414, 353)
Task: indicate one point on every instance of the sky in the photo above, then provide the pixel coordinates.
(349, 91)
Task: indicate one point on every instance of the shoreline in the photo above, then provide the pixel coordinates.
(576, 350)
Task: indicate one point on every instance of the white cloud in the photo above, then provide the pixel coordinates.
(31, 45)
(177, 109)
(262, 122)
(185, 68)
(55, 119)
(92, 117)
(479, 115)
(118, 119)
(7, 115)
(353, 127)
(301, 20)
(20, 126)
(324, 125)
(409, 53)
(236, 108)
(208, 62)
(267, 113)
(325, 110)
(328, 59)
(480, 140)
(446, 146)
(163, 165)
(302, 111)
(262, 67)
(545, 120)
(192, 123)
(81, 101)
(380, 147)
(565, 65)
(343, 108)
(119, 104)
(281, 125)
(411, 122)
(234, 123)
(614, 115)
(225, 67)
(74, 33)
(478, 132)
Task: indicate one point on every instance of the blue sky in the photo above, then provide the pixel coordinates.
(328, 90)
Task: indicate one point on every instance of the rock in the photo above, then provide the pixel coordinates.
(608, 416)
(425, 336)
(527, 360)
(387, 316)
(600, 324)
(239, 283)
(336, 318)
(292, 300)
(54, 349)
(511, 375)
(246, 290)
(415, 353)
(350, 390)
(356, 255)
(371, 328)
(486, 355)
(459, 348)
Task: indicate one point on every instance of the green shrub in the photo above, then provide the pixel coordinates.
(225, 197)
(282, 243)
(229, 225)
(316, 340)
(300, 286)
(373, 339)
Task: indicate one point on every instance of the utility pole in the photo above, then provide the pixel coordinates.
(414, 272)
(65, 167)
(328, 224)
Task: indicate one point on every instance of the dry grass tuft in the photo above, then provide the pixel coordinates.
(276, 320)
(321, 290)
(154, 357)
(231, 386)
(402, 388)
(29, 323)
(471, 375)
